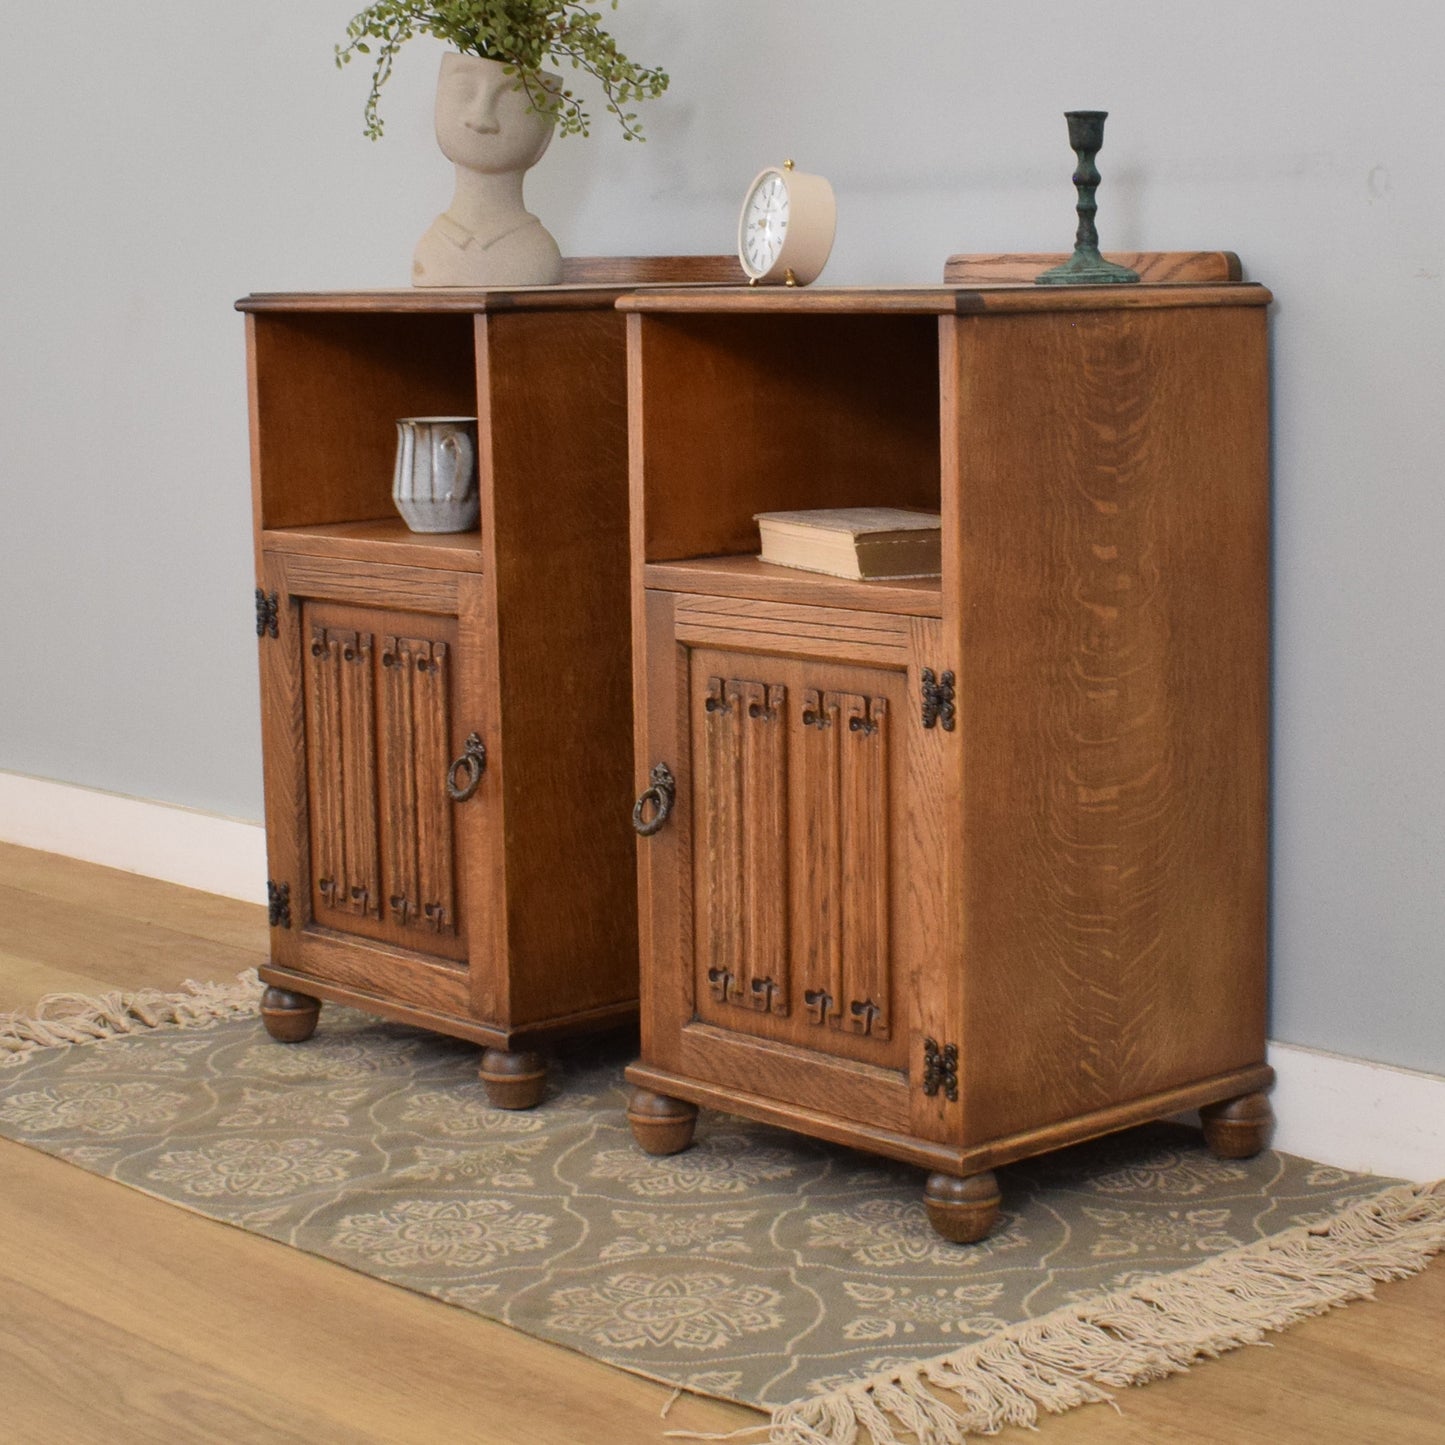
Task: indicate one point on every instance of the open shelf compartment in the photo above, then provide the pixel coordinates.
(328, 391)
(741, 414)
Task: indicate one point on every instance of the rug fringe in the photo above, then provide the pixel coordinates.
(1159, 1327)
(61, 1019)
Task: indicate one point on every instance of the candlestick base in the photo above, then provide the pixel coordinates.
(1086, 268)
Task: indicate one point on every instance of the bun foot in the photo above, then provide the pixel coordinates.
(661, 1125)
(513, 1081)
(962, 1210)
(290, 1018)
(1238, 1128)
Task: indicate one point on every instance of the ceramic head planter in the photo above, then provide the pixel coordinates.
(488, 128)
(499, 101)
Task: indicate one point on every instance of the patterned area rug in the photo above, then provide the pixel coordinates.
(758, 1266)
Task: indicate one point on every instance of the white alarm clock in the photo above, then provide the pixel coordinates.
(786, 229)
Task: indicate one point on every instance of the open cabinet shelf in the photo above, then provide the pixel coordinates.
(385, 539)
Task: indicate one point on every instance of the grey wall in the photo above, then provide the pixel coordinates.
(154, 167)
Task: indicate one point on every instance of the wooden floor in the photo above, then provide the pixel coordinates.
(123, 1319)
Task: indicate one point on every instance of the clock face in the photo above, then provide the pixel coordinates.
(785, 231)
(764, 224)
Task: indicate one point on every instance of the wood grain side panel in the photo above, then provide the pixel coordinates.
(555, 536)
(1113, 548)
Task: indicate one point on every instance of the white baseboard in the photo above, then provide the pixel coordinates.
(160, 840)
(1338, 1110)
(1358, 1115)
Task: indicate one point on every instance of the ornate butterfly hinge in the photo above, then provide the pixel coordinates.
(938, 710)
(940, 1069)
(278, 899)
(268, 614)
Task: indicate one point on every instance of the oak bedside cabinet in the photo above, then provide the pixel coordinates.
(962, 869)
(446, 719)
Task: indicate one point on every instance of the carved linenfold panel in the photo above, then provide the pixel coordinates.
(819, 940)
(341, 760)
(720, 841)
(417, 837)
(358, 774)
(379, 729)
(792, 871)
(742, 844)
(843, 938)
(764, 816)
(399, 791)
(864, 812)
(341, 749)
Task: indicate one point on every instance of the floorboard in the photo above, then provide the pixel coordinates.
(125, 1319)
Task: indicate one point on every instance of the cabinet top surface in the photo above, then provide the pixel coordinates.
(439, 299)
(929, 300)
(942, 300)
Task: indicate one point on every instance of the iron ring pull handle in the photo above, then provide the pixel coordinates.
(471, 765)
(661, 794)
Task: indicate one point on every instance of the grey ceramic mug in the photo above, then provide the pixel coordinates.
(435, 486)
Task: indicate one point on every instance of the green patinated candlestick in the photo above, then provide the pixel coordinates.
(1086, 267)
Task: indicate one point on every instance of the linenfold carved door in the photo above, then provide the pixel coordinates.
(793, 795)
(378, 688)
(382, 804)
(795, 899)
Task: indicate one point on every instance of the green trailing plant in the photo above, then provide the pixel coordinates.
(527, 36)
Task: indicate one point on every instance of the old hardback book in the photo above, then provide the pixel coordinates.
(855, 542)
